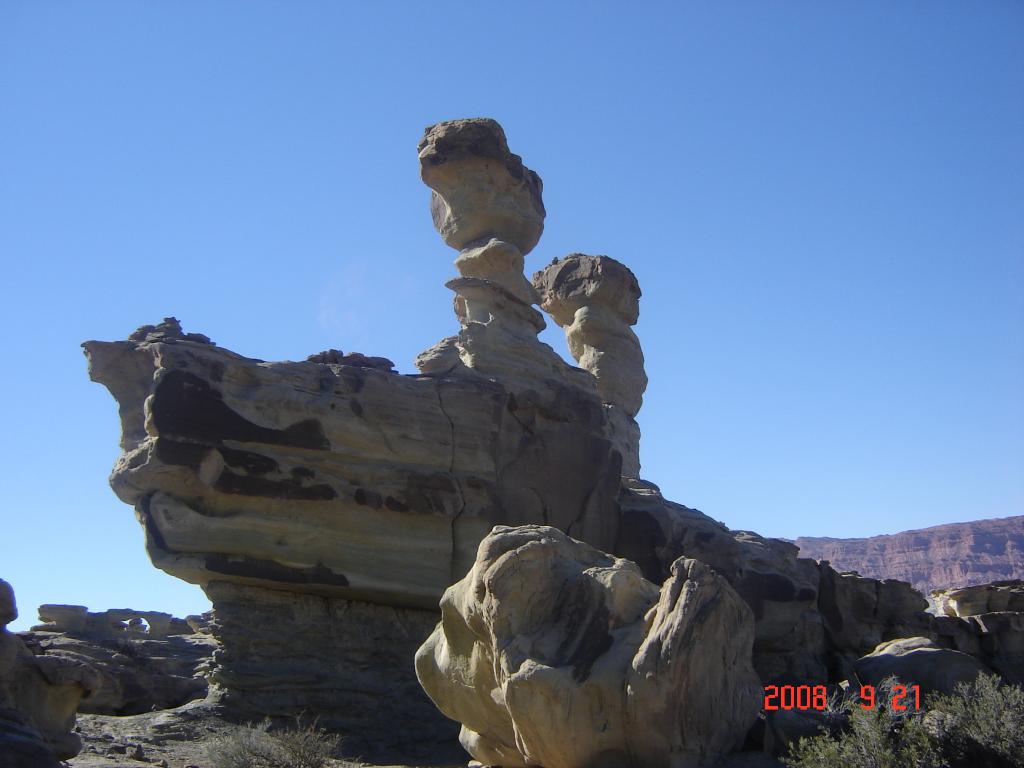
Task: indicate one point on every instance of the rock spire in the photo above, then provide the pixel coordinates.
(486, 204)
(596, 300)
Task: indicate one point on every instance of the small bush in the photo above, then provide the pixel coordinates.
(981, 725)
(256, 746)
(874, 738)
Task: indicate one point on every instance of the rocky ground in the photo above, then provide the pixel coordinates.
(177, 738)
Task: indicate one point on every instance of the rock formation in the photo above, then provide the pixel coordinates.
(996, 612)
(488, 206)
(980, 599)
(358, 492)
(596, 300)
(325, 506)
(919, 661)
(942, 557)
(552, 653)
(145, 660)
(39, 696)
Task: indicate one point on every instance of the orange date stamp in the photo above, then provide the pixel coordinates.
(787, 697)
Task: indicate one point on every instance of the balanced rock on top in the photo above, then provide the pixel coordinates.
(596, 300)
(481, 189)
(486, 204)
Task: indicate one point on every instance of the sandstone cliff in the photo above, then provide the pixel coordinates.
(942, 557)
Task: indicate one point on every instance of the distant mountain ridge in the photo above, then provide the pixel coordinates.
(942, 557)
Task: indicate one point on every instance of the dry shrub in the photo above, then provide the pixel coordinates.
(981, 725)
(257, 746)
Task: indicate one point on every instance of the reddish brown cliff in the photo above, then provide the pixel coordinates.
(946, 556)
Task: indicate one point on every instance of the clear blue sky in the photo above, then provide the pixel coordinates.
(823, 202)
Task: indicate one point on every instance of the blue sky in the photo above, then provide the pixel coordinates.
(823, 202)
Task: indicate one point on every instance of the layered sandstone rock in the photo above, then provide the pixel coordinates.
(347, 482)
(552, 653)
(812, 623)
(996, 611)
(349, 663)
(145, 660)
(942, 557)
(596, 300)
(980, 599)
(39, 696)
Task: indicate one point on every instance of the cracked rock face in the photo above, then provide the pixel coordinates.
(552, 653)
(341, 482)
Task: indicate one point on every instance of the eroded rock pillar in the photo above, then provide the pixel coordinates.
(596, 300)
(488, 205)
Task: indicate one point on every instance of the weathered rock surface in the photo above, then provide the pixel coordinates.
(942, 557)
(811, 622)
(552, 653)
(38, 698)
(349, 662)
(596, 299)
(488, 206)
(1002, 643)
(919, 661)
(344, 482)
(480, 189)
(326, 505)
(980, 599)
(145, 660)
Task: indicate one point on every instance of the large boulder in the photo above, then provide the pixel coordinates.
(550, 652)
(919, 661)
(480, 188)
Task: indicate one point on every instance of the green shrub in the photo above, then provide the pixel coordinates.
(873, 738)
(256, 746)
(981, 725)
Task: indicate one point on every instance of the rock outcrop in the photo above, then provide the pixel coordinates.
(552, 653)
(596, 300)
(919, 661)
(996, 612)
(325, 506)
(353, 488)
(980, 599)
(39, 696)
(354, 484)
(145, 660)
(942, 557)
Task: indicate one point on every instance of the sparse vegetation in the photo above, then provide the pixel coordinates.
(258, 746)
(981, 725)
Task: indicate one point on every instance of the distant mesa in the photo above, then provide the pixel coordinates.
(941, 557)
